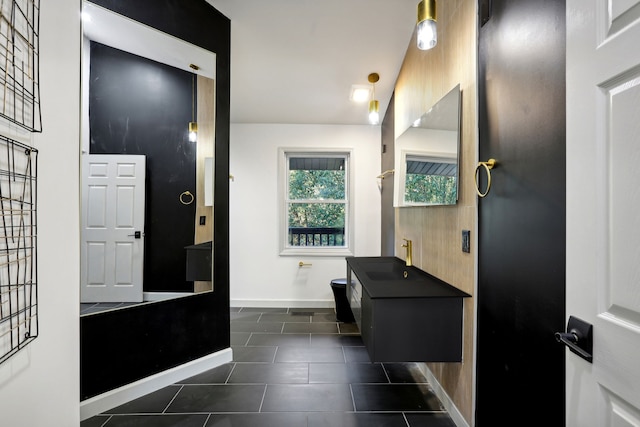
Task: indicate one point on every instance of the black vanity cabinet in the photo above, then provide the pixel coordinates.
(404, 314)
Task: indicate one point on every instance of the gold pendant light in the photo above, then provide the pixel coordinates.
(193, 125)
(427, 36)
(374, 105)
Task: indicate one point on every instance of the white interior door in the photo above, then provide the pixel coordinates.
(603, 209)
(112, 253)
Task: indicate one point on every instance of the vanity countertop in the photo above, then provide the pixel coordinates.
(384, 277)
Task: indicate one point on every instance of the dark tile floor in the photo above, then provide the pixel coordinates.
(291, 368)
(97, 307)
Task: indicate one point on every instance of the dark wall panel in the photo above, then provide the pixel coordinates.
(521, 254)
(123, 346)
(139, 106)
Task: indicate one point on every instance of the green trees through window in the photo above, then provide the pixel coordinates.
(431, 189)
(316, 200)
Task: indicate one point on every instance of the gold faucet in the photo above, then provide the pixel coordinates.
(409, 247)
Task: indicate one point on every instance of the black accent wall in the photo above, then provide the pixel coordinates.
(521, 229)
(139, 106)
(120, 347)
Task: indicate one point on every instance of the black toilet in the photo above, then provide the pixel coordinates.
(343, 310)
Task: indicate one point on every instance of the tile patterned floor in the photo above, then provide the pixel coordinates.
(98, 307)
(291, 368)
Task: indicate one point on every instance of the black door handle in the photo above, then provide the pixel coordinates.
(579, 338)
(135, 235)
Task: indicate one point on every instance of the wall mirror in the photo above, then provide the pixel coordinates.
(147, 189)
(426, 156)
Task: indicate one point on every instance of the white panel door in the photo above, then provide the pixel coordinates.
(112, 253)
(603, 209)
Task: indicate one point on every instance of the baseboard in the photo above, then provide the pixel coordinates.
(451, 408)
(283, 303)
(124, 394)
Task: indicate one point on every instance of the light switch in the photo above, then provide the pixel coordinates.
(466, 241)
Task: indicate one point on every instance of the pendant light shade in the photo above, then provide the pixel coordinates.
(374, 105)
(427, 35)
(193, 131)
(374, 112)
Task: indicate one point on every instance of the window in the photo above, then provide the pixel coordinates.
(430, 180)
(316, 208)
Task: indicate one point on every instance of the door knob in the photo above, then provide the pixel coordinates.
(578, 337)
(135, 235)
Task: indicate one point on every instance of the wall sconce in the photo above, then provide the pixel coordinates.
(374, 105)
(427, 34)
(193, 125)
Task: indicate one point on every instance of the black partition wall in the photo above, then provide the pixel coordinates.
(139, 106)
(120, 347)
(521, 222)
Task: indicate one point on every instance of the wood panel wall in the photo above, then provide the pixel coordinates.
(205, 148)
(436, 232)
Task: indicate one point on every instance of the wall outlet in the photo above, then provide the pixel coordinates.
(466, 241)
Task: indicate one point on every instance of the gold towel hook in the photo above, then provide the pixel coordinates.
(385, 173)
(187, 201)
(488, 165)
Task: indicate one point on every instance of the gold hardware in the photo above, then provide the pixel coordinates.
(374, 106)
(488, 165)
(303, 264)
(187, 201)
(385, 173)
(426, 10)
(232, 178)
(409, 246)
(405, 274)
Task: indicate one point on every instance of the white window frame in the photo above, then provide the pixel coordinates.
(283, 178)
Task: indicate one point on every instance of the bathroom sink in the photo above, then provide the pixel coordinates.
(389, 269)
(382, 264)
(384, 277)
(403, 319)
(395, 274)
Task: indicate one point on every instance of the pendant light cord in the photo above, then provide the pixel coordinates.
(193, 97)
(195, 68)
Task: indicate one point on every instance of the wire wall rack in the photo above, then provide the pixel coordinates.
(18, 238)
(19, 63)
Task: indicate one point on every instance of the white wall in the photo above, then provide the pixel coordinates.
(39, 386)
(259, 275)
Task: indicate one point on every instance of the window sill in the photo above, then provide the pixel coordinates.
(316, 251)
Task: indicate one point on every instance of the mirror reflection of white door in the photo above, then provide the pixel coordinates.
(603, 201)
(112, 252)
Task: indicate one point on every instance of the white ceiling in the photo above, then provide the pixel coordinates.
(294, 61)
(109, 28)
